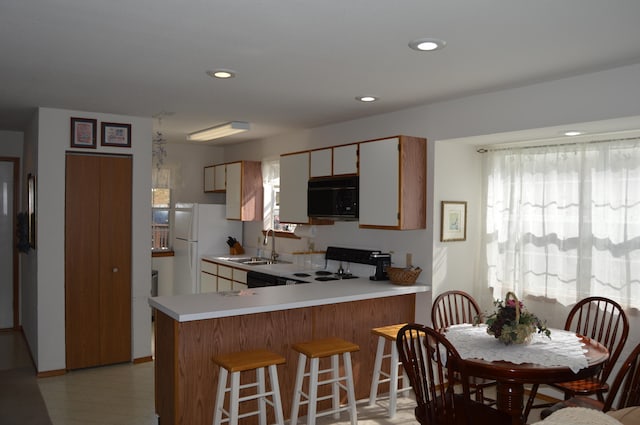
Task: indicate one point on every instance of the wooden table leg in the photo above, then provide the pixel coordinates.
(510, 399)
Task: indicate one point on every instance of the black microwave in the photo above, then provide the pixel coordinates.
(333, 197)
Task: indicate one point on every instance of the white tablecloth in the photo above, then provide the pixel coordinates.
(563, 349)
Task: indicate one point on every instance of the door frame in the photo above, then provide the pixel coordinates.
(16, 262)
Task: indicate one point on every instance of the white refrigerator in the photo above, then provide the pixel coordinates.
(199, 229)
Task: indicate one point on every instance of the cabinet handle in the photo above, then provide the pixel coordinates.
(115, 270)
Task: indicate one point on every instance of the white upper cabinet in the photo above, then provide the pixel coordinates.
(393, 183)
(294, 174)
(221, 178)
(334, 161)
(345, 159)
(209, 178)
(320, 164)
(244, 190)
(215, 178)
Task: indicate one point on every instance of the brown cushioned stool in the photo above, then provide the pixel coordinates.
(314, 351)
(388, 334)
(235, 364)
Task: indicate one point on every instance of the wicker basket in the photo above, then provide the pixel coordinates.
(401, 276)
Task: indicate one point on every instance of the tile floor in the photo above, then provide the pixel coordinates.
(124, 395)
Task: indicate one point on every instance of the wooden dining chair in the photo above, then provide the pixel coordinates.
(431, 362)
(625, 389)
(453, 308)
(605, 321)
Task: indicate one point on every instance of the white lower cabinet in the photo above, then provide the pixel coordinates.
(208, 282)
(224, 284)
(220, 277)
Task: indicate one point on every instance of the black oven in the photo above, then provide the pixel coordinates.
(333, 198)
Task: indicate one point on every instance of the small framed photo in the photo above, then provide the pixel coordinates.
(453, 218)
(84, 133)
(114, 134)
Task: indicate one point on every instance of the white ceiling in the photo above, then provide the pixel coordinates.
(299, 63)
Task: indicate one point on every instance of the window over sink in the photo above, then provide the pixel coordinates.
(271, 184)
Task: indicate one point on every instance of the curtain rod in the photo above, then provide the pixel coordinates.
(485, 150)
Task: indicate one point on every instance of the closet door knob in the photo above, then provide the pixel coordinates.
(115, 270)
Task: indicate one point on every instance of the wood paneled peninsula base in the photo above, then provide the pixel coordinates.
(191, 329)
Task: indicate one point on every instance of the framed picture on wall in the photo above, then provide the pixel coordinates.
(84, 133)
(114, 134)
(453, 226)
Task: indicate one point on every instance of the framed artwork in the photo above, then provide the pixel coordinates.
(31, 210)
(453, 217)
(114, 134)
(84, 133)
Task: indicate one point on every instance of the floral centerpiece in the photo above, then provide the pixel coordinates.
(511, 323)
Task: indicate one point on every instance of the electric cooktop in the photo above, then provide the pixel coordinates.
(324, 276)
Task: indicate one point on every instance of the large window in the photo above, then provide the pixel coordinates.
(563, 222)
(160, 209)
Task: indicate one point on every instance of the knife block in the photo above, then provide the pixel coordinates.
(236, 249)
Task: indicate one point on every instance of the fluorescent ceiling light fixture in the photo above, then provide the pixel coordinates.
(218, 131)
(427, 44)
(572, 133)
(366, 98)
(222, 74)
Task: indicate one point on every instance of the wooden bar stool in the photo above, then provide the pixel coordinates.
(235, 364)
(314, 351)
(388, 334)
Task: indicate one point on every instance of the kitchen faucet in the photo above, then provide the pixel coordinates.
(274, 254)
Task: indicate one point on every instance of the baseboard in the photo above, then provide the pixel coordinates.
(50, 373)
(143, 360)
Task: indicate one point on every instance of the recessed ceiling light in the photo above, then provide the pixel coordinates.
(572, 133)
(366, 98)
(427, 44)
(223, 74)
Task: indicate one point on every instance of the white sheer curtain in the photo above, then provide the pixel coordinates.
(563, 222)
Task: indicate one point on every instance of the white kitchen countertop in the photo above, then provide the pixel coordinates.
(211, 305)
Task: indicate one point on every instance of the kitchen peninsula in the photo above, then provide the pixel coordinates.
(191, 329)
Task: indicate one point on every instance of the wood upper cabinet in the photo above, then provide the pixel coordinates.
(244, 190)
(294, 175)
(334, 161)
(393, 183)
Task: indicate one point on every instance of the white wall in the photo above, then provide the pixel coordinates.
(45, 302)
(187, 162)
(11, 143)
(29, 262)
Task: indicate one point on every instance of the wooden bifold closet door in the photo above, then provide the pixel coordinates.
(97, 260)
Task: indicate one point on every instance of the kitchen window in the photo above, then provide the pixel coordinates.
(271, 184)
(563, 222)
(160, 209)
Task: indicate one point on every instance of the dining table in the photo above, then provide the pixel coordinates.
(561, 357)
